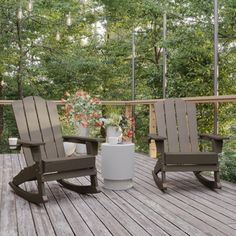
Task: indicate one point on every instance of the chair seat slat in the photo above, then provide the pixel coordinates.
(161, 122)
(183, 129)
(171, 125)
(45, 128)
(23, 129)
(32, 122)
(56, 128)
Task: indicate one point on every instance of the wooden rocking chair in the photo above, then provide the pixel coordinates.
(177, 143)
(42, 142)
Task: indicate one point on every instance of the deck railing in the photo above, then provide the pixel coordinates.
(152, 116)
(150, 103)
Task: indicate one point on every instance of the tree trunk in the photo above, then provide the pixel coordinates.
(20, 61)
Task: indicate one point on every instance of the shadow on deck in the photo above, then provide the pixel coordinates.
(187, 208)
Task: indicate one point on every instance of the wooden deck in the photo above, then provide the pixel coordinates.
(188, 208)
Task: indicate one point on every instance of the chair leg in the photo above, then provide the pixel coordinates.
(94, 180)
(41, 188)
(217, 179)
(163, 176)
(161, 183)
(209, 183)
(81, 189)
(28, 174)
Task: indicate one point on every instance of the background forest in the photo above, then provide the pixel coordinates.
(48, 47)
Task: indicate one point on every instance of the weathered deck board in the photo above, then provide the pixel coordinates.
(122, 217)
(105, 216)
(1, 176)
(187, 208)
(88, 215)
(193, 196)
(187, 179)
(175, 207)
(141, 219)
(72, 218)
(23, 211)
(8, 221)
(205, 216)
(161, 216)
(42, 222)
(188, 182)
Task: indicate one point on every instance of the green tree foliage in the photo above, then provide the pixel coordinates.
(41, 54)
(32, 57)
(228, 157)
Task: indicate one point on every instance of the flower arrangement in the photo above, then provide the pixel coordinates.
(113, 120)
(127, 126)
(83, 109)
(125, 123)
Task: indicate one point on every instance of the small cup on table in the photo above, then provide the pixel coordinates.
(113, 140)
(12, 143)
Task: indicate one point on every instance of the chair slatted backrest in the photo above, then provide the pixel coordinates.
(37, 120)
(176, 120)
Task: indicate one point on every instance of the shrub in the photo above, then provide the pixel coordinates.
(228, 158)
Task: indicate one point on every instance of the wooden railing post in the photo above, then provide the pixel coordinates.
(152, 129)
(128, 110)
(128, 113)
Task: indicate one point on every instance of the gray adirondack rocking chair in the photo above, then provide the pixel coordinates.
(42, 142)
(177, 143)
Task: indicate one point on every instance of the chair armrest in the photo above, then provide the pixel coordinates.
(216, 140)
(26, 143)
(155, 137)
(211, 137)
(159, 140)
(80, 139)
(34, 148)
(91, 143)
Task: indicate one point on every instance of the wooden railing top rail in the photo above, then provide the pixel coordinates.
(203, 99)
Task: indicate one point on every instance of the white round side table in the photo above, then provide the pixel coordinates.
(117, 165)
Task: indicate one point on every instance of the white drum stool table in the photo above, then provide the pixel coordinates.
(118, 165)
